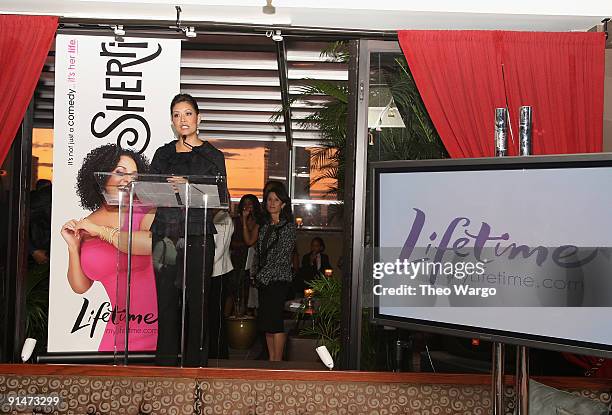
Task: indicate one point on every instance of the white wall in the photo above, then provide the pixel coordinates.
(541, 15)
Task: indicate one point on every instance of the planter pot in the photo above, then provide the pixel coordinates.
(241, 331)
(302, 349)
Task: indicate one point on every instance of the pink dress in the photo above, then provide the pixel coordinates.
(99, 263)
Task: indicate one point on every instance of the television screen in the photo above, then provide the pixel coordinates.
(508, 249)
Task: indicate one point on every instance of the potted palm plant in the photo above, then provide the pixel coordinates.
(325, 324)
(37, 305)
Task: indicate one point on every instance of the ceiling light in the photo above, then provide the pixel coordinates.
(275, 35)
(118, 29)
(190, 31)
(268, 8)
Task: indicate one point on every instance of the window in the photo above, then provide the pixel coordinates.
(250, 164)
(42, 154)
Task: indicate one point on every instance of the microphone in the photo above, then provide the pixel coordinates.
(198, 150)
(185, 143)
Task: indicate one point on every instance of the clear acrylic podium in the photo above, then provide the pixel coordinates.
(161, 290)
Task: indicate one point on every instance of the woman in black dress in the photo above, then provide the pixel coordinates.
(274, 272)
(188, 155)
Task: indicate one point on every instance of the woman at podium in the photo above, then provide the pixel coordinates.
(93, 243)
(187, 155)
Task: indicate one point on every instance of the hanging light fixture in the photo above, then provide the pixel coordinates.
(268, 8)
(188, 30)
(385, 117)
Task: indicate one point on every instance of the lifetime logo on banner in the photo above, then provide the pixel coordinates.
(105, 92)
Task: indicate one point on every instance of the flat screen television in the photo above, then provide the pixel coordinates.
(539, 226)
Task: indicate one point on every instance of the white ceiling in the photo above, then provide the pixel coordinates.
(540, 15)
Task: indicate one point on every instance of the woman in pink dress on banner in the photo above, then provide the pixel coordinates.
(94, 242)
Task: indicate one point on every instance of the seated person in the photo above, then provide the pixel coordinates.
(313, 263)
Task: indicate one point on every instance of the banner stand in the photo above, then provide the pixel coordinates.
(106, 92)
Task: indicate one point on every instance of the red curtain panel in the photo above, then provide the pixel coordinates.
(24, 44)
(560, 75)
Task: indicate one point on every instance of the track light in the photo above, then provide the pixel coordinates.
(118, 30)
(275, 35)
(268, 8)
(178, 15)
(190, 31)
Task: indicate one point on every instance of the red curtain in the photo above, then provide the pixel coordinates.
(24, 44)
(560, 75)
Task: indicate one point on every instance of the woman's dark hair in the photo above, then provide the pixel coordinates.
(271, 183)
(279, 190)
(257, 211)
(321, 243)
(184, 98)
(102, 159)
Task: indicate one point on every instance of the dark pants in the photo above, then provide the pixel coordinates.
(216, 317)
(169, 282)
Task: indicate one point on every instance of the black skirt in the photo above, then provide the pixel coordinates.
(270, 314)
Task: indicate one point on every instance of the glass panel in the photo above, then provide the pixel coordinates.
(398, 122)
(163, 279)
(159, 190)
(142, 311)
(252, 164)
(7, 193)
(39, 236)
(316, 188)
(309, 214)
(399, 128)
(316, 173)
(42, 155)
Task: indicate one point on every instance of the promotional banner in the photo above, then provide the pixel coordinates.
(106, 92)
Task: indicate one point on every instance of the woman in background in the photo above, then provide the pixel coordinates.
(274, 273)
(314, 264)
(221, 274)
(246, 230)
(93, 243)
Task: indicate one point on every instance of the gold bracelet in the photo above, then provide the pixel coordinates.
(114, 233)
(108, 234)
